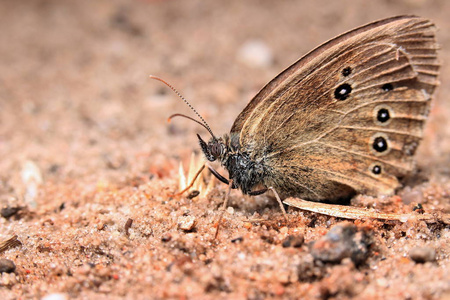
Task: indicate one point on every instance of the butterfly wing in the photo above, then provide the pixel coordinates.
(348, 116)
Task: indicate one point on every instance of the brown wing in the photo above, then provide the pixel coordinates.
(323, 120)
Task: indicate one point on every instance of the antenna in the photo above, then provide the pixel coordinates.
(188, 104)
(192, 119)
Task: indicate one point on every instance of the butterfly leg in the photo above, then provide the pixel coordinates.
(224, 206)
(258, 192)
(279, 202)
(191, 184)
(220, 177)
(262, 191)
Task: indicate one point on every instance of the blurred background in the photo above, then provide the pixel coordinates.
(76, 99)
(85, 149)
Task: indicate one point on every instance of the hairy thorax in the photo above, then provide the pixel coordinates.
(247, 173)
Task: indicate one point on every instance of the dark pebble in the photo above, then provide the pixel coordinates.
(7, 266)
(128, 224)
(295, 241)
(9, 211)
(54, 168)
(419, 209)
(193, 194)
(166, 238)
(268, 239)
(237, 240)
(342, 241)
(422, 254)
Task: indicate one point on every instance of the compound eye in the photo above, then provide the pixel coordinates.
(216, 150)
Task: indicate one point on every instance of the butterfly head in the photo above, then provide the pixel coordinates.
(214, 149)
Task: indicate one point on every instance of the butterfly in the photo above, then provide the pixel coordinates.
(344, 119)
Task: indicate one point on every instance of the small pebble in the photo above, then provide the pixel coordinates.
(166, 237)
(295, 241)
(187, 223)
(284, 230)
(128, 224)
(422, 254)
(419, 209)
(237, 240)
(193, 194)
(344, 240)
(9, 211)
(7, 266)
(55, 296)
(410, 196)
(8, 280)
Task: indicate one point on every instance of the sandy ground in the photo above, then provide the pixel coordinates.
(89, 160)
